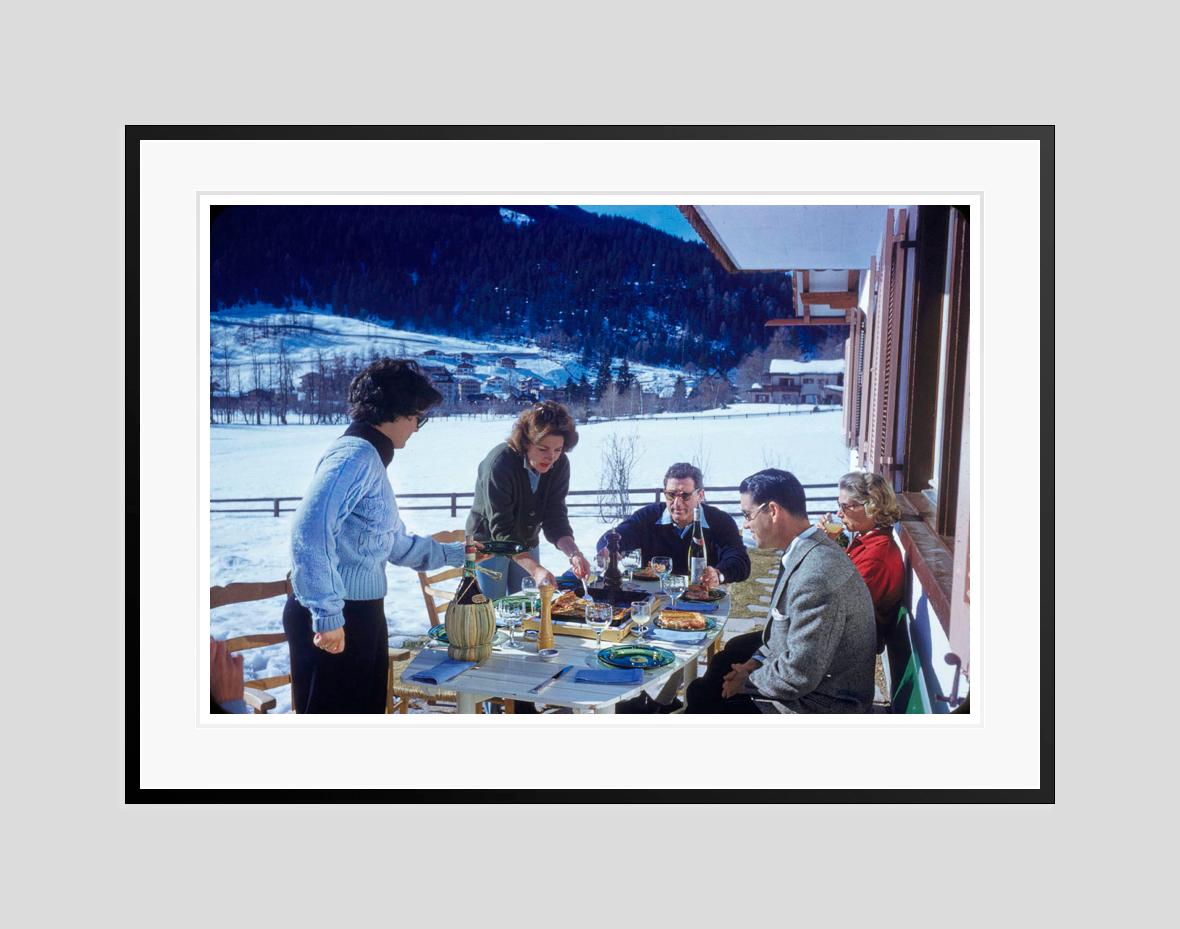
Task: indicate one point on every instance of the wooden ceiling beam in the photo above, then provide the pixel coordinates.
(840, 299)
(845, 320)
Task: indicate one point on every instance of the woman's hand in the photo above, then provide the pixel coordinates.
(580, 566)
(543, 575)
(225, 673)
(331, 642)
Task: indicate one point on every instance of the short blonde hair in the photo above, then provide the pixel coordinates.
(875, 493)
(541, 420)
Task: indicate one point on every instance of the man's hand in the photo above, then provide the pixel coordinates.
(580, 565)
(711, 578)
(734, 681)
(225, 673)
(331, 642)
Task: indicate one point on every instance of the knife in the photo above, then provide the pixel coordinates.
(549, 680)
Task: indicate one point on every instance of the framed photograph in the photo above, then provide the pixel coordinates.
(704, 305)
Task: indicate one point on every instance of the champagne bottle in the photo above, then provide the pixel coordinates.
(697, 554)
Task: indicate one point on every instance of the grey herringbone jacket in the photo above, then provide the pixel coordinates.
(820, 640)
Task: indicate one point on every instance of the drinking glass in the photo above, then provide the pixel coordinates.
(661, 564)
(675, 584)
(598, 617)
(641, 616)
(528, 588)
(631, 562)
(509, 613)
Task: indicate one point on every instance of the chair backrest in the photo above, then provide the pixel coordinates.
(438, 598)
(903, 669)
(246, 592)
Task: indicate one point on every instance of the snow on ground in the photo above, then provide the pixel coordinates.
(255, 461)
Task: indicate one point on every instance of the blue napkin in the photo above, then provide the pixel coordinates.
(569, 581)
(442, 672)
(699, 607)
(680, 636)
(609, 676)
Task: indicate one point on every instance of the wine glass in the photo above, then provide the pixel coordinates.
(508, 612)
(641, 616)
(661, 565)
(598, 617)
(675, 584)
(528, 590)
(631, 562)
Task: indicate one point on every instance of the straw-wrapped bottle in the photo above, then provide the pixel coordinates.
(470, 617)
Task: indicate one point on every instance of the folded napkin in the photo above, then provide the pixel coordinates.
(679, 636)
(569, 581)
(442, 672)
(609, 676)
(693, 606)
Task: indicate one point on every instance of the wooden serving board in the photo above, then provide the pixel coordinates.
(573, 627)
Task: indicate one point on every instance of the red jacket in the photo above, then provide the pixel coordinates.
(878, 559)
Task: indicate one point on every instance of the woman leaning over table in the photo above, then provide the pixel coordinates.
(346, 528)
(869, 508)
(520, 491)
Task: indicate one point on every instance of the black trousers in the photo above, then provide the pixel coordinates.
(704, 694)
(350, 682)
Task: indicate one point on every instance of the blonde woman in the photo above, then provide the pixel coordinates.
(868, 508)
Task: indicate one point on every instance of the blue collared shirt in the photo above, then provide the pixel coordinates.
(666, 520)
(534, 477)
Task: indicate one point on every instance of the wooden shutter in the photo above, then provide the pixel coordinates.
(959, 629)
(867, 376)
(852, 367)
(886, 350)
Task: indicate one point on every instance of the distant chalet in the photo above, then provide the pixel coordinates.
(800, 382)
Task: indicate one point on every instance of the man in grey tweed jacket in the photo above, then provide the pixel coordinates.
(817, 652)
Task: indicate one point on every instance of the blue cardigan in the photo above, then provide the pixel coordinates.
(347, 527)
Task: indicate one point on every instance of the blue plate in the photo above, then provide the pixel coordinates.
(636, 656)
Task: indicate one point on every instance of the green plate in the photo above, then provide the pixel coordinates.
(533, 601)
(439, 634)
(636, 656)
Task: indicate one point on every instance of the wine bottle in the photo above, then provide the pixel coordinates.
(697, 554)
(504, 547)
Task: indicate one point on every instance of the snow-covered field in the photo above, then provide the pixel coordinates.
(256, 461)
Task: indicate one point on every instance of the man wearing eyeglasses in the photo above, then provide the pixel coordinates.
(818, 649)
(665, 529)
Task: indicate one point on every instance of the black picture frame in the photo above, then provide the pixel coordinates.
(134, 135)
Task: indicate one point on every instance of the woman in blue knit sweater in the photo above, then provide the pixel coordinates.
(346, 528)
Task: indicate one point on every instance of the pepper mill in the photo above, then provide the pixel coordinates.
(612, 579)
(545, 627)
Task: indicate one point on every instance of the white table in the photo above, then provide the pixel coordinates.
(511, 673)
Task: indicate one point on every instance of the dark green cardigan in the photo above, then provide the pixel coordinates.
(505, 506)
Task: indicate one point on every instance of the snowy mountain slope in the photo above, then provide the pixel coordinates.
(244, 336)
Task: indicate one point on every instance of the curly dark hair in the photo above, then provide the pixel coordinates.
(540, 420)
(389, 388)
(683, 471)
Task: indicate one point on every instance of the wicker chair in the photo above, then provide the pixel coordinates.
(436, 599)
(255, 695)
